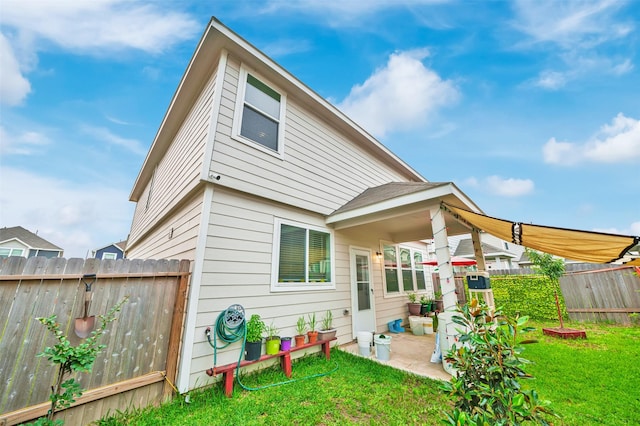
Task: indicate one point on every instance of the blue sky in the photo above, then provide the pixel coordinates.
(531, 107)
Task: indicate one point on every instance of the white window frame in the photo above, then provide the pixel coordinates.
(12, 251)
(275, 259)
(239, 108)
(109, 256)
(401, 291)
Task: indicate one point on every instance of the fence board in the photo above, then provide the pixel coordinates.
(137, 342)
(602, 294)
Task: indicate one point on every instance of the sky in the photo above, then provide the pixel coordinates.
(532, 108)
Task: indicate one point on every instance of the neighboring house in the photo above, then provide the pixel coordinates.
(495, 257)
(112, 251)
(17, 241)
(283, 204)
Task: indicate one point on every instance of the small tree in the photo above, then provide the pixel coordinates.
(487, 360)
(546, 264)
(71, 359)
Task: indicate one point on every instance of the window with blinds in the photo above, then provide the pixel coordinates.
(304, 256)
(403, 269)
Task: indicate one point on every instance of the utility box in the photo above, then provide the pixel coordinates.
(478, 280)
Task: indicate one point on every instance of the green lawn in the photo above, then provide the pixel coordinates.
(589, 382)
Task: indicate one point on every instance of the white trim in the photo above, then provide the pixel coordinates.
(401, 291)
(184, 368)
(354, 294)
(430, 194)
(213, 125)
(239, 108)
(275, 259)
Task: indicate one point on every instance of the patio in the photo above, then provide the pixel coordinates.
(410, 353)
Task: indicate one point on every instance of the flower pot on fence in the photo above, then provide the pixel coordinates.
(313, 336)
(300, 339)
(252, 351)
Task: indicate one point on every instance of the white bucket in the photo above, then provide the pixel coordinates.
(383, 347)
(364, 342)
(415, 322)
(427, 325)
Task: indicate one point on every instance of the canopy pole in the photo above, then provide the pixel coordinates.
(477, 249)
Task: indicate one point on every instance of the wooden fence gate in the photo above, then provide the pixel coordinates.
(138, 366)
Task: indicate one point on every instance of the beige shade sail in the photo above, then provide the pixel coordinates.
(585, 246)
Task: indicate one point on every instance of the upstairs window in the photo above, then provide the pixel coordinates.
(8, 252)
(259, 113)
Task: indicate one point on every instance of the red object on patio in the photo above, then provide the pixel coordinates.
(455, 261)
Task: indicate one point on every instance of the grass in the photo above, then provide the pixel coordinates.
(592, 381)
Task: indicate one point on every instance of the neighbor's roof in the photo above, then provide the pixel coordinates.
(121, 245)
(26, 237)
(465, 249)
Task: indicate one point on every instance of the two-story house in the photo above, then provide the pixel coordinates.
(283, 204)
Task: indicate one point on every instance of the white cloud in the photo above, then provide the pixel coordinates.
(93, 26)
(73, 216)
(618, 142)
(504, 187)
(551, 80)
(25, 143)
(14, 87)
(402, 95)
(571, 23)
(105, 135)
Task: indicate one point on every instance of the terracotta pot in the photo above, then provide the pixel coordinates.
(313, 336)
(300, 338)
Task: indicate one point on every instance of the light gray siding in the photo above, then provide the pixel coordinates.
(176, 236)
(321, 170)
(178, 172)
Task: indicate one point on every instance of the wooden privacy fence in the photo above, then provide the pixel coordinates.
(608, 294)
(138, 366)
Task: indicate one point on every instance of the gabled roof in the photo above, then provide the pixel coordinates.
(218, 38)
(465, 249)
(26, 237)
(119, 245)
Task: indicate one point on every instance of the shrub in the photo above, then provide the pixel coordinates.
(531, 295)
(486, 387)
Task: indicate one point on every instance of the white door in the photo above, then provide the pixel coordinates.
(364, 317)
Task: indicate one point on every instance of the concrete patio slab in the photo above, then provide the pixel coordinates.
(409, 352)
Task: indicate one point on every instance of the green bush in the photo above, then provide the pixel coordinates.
(531, 295)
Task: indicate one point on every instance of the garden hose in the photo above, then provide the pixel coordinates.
(231, 327)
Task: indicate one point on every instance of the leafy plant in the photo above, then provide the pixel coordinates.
(312, 322)
(301, 326)
(546, 264)
(327, 320)
(413, 298)
(272, 331)
(438, 295)
(71, 359)
(255, 328)
(528, 294)
(424, 300)
(487, 359)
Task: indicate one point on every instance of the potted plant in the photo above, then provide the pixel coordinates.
(439, 303)
(301, 328)
(312, 333)
(414, 305)
(327, 332)
(255, 330)
(273, 340)
(425, 305)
